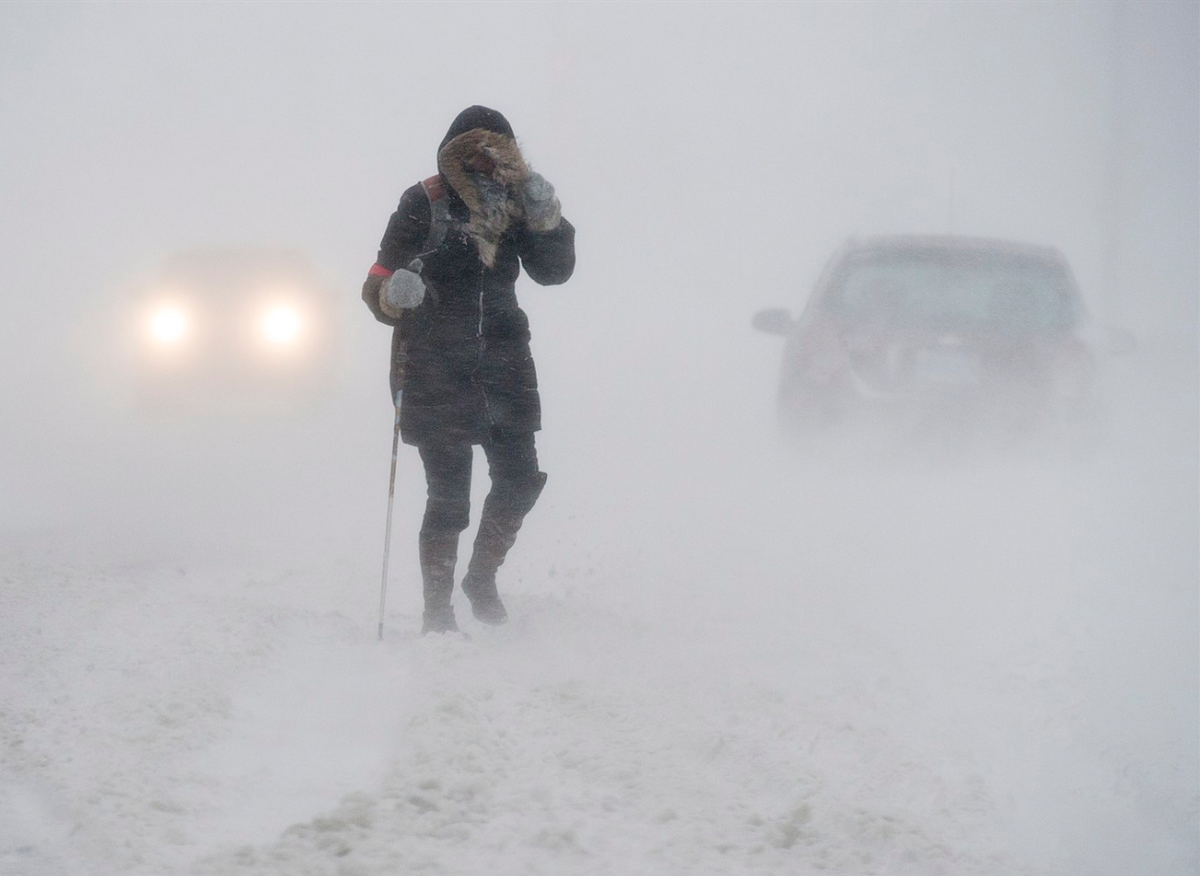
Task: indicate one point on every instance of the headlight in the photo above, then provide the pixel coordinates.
(168, 325)
(281, 325)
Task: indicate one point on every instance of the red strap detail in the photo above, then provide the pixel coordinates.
(435, 188)
(379, 271)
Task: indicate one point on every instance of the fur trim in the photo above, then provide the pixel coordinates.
(493, 198)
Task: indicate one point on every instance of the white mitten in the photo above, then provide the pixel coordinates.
(404, 291)
(542, 210)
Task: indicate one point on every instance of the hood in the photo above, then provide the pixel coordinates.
(479, 159)
(478, 117)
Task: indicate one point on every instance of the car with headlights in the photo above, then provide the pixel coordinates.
(950, 341)
(233, 329)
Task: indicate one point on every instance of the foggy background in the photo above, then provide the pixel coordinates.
(711, 156)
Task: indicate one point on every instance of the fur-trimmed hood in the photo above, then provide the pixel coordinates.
(481, 162)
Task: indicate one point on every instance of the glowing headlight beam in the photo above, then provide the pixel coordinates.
(168, 325)
(281, 325)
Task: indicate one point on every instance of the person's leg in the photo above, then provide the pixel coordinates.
(516, 485)
(447, 513)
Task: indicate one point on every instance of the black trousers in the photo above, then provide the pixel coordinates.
(512, 466)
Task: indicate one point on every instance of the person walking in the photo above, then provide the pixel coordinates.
(461, 369)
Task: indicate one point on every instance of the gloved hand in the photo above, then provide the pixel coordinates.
(404, 291)
(542, 210)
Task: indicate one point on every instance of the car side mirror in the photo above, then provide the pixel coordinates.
(774, 321)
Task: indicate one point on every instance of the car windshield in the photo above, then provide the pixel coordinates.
(964, 290)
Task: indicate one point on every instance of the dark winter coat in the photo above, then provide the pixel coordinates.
(466, 363)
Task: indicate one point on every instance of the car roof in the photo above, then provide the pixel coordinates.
(942, 243)
(248, 259)
(952, 243)
(228, 269)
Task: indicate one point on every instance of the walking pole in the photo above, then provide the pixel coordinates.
(387, 537)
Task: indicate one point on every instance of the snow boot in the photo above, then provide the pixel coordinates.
(438, 551)
(485, 599)
(498, 526)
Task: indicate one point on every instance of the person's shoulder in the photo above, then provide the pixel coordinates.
(413, 192)
(415, 202)
(434, 187)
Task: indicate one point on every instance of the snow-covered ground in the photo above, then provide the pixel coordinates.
(722, 659)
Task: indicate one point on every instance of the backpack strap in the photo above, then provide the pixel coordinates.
(439, 212)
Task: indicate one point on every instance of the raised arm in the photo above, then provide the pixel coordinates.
(548, 241)
(549, 256)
